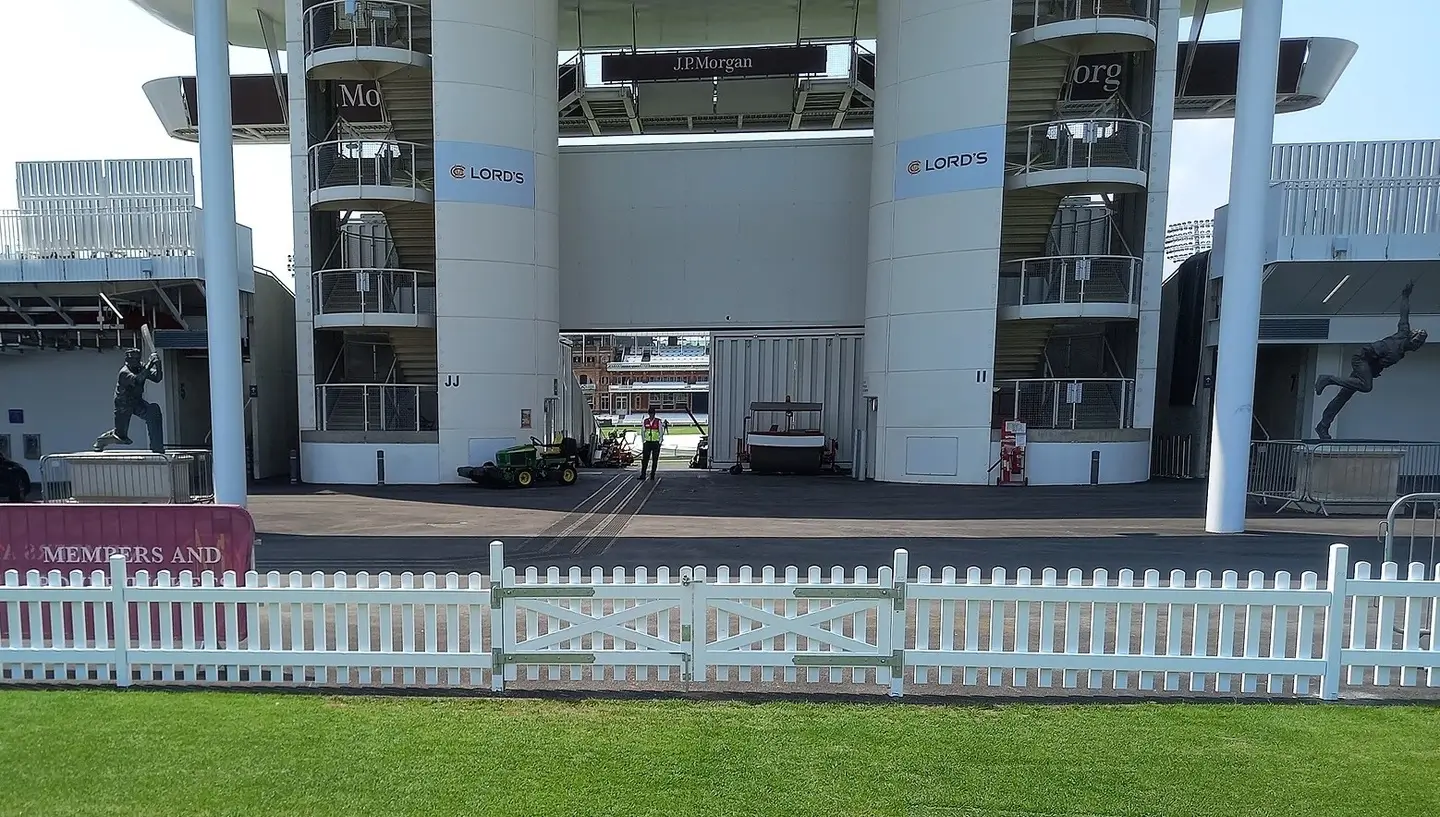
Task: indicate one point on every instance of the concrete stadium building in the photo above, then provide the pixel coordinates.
(930, 217)
(95, 251)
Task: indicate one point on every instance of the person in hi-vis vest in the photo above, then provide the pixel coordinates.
(652, 433)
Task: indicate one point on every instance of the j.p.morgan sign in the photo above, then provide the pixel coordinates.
(970, 159)
(484, 174)
(720, 63)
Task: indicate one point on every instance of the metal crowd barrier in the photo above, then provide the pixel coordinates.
(1412, 529)
(1316, 476)
(1172, 456)
(1414, 536)
(177, 477)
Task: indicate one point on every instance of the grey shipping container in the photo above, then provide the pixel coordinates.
(748, 367)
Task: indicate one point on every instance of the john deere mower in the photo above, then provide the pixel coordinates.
(522, 466)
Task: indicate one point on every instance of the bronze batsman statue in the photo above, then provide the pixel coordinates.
(1368, 362)
(130, 402)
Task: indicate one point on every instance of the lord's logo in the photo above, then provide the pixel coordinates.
(949, 162)
(487, 174)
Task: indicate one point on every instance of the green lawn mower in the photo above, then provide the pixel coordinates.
(522, 466)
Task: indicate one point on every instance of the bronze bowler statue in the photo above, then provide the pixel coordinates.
(130, 402)
(1368, 363)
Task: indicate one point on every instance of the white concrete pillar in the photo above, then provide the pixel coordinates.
(300, 215)
(1245, 228)
(219, 252)
(937, 186)
(496, 222)
(1162, 132)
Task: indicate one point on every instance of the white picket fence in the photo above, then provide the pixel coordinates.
(931, 633)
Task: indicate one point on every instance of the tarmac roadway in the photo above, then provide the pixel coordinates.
(714, 518)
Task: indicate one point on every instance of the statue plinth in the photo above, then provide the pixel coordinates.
(118, 477)
(1349, 473)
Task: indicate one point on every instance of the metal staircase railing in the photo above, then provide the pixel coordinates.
(375, 23)
(1073, 403)
(373, 292)
(369, 163)
(1073, 279)
(375, 407)
(1082, 144)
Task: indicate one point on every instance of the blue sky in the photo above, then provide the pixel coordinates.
(72, 91)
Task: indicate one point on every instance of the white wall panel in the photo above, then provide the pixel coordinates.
(740, 234)
(753, 367)
(159, 182)
(354, 463)
(1058, 463)
(273, 346)
(1343, 161)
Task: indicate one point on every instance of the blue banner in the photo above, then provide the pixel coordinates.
(484, 174)
(970, 159)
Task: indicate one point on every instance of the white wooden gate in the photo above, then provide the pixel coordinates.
(605, 626)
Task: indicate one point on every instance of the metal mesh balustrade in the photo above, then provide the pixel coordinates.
(1080, 144)
(376, 23)
(98, 233)
(367, 162)
(1076, 279)
(375, 407)
(1045, 12)
(1070, 403)
(374, 291)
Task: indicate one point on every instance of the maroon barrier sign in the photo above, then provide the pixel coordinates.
(68, 537)
(175, 538)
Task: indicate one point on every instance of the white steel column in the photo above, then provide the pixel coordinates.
(1245, 240)
(497, 233)
(937, 185)
(219, 254)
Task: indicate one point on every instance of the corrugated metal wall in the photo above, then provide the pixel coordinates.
(105, 184)
(1358, 188)
(1337, 161)
(1081, 229)
(366, 244)
(124, 206)
(746, 367)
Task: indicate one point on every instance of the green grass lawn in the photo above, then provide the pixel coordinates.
(78, 753)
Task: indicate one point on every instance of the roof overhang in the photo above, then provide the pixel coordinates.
(245, 27)
(635, 23)
(258, 110)
(1333, 288)
(1324, 61)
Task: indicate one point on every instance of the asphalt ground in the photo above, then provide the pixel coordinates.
(714, 518)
